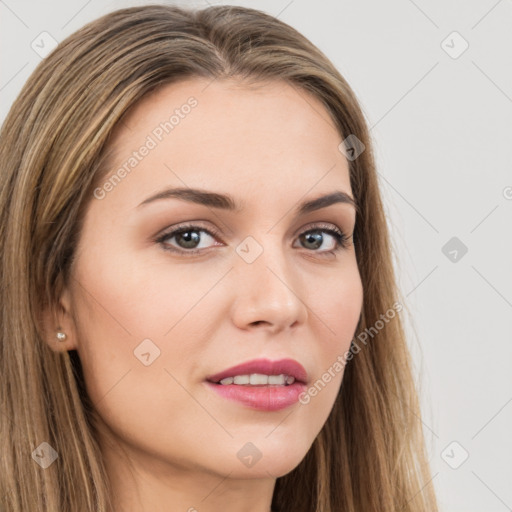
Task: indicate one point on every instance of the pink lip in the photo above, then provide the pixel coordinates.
(264, 398)
(265, 366)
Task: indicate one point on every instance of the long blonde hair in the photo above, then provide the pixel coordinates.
(370, 454)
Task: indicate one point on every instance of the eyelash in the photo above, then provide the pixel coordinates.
(342, 241)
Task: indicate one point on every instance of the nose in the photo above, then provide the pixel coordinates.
(268, 294)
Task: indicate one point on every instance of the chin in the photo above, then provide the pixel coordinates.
(264, 458)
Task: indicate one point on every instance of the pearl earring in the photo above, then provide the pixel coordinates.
(61, 336)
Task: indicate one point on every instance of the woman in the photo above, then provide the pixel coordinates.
(199, 310)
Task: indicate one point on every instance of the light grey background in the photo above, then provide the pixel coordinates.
(441, 123)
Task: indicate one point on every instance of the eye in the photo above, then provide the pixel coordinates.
(188, 239)
(315, 238)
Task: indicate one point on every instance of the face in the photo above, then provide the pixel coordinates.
(157, 311)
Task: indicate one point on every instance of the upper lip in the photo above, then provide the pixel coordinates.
(266, 367)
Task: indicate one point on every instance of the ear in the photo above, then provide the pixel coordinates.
(59, 318)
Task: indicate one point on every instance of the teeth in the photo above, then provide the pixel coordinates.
(276, 379)
(258, 379)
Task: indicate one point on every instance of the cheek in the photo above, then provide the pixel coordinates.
(337, 305)
(335, 311)
(129, 368)
(113, 317)
(130, 312)
(131, 297)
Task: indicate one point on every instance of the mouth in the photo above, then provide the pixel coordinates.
(261, 384)
(257, 379)
(262, 372)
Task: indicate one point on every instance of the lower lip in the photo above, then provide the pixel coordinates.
(263, 398)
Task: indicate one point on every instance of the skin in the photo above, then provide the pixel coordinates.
(169, 442)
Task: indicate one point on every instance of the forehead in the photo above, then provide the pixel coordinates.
(209, 134)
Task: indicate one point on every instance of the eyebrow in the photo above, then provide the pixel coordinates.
(227, 202)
